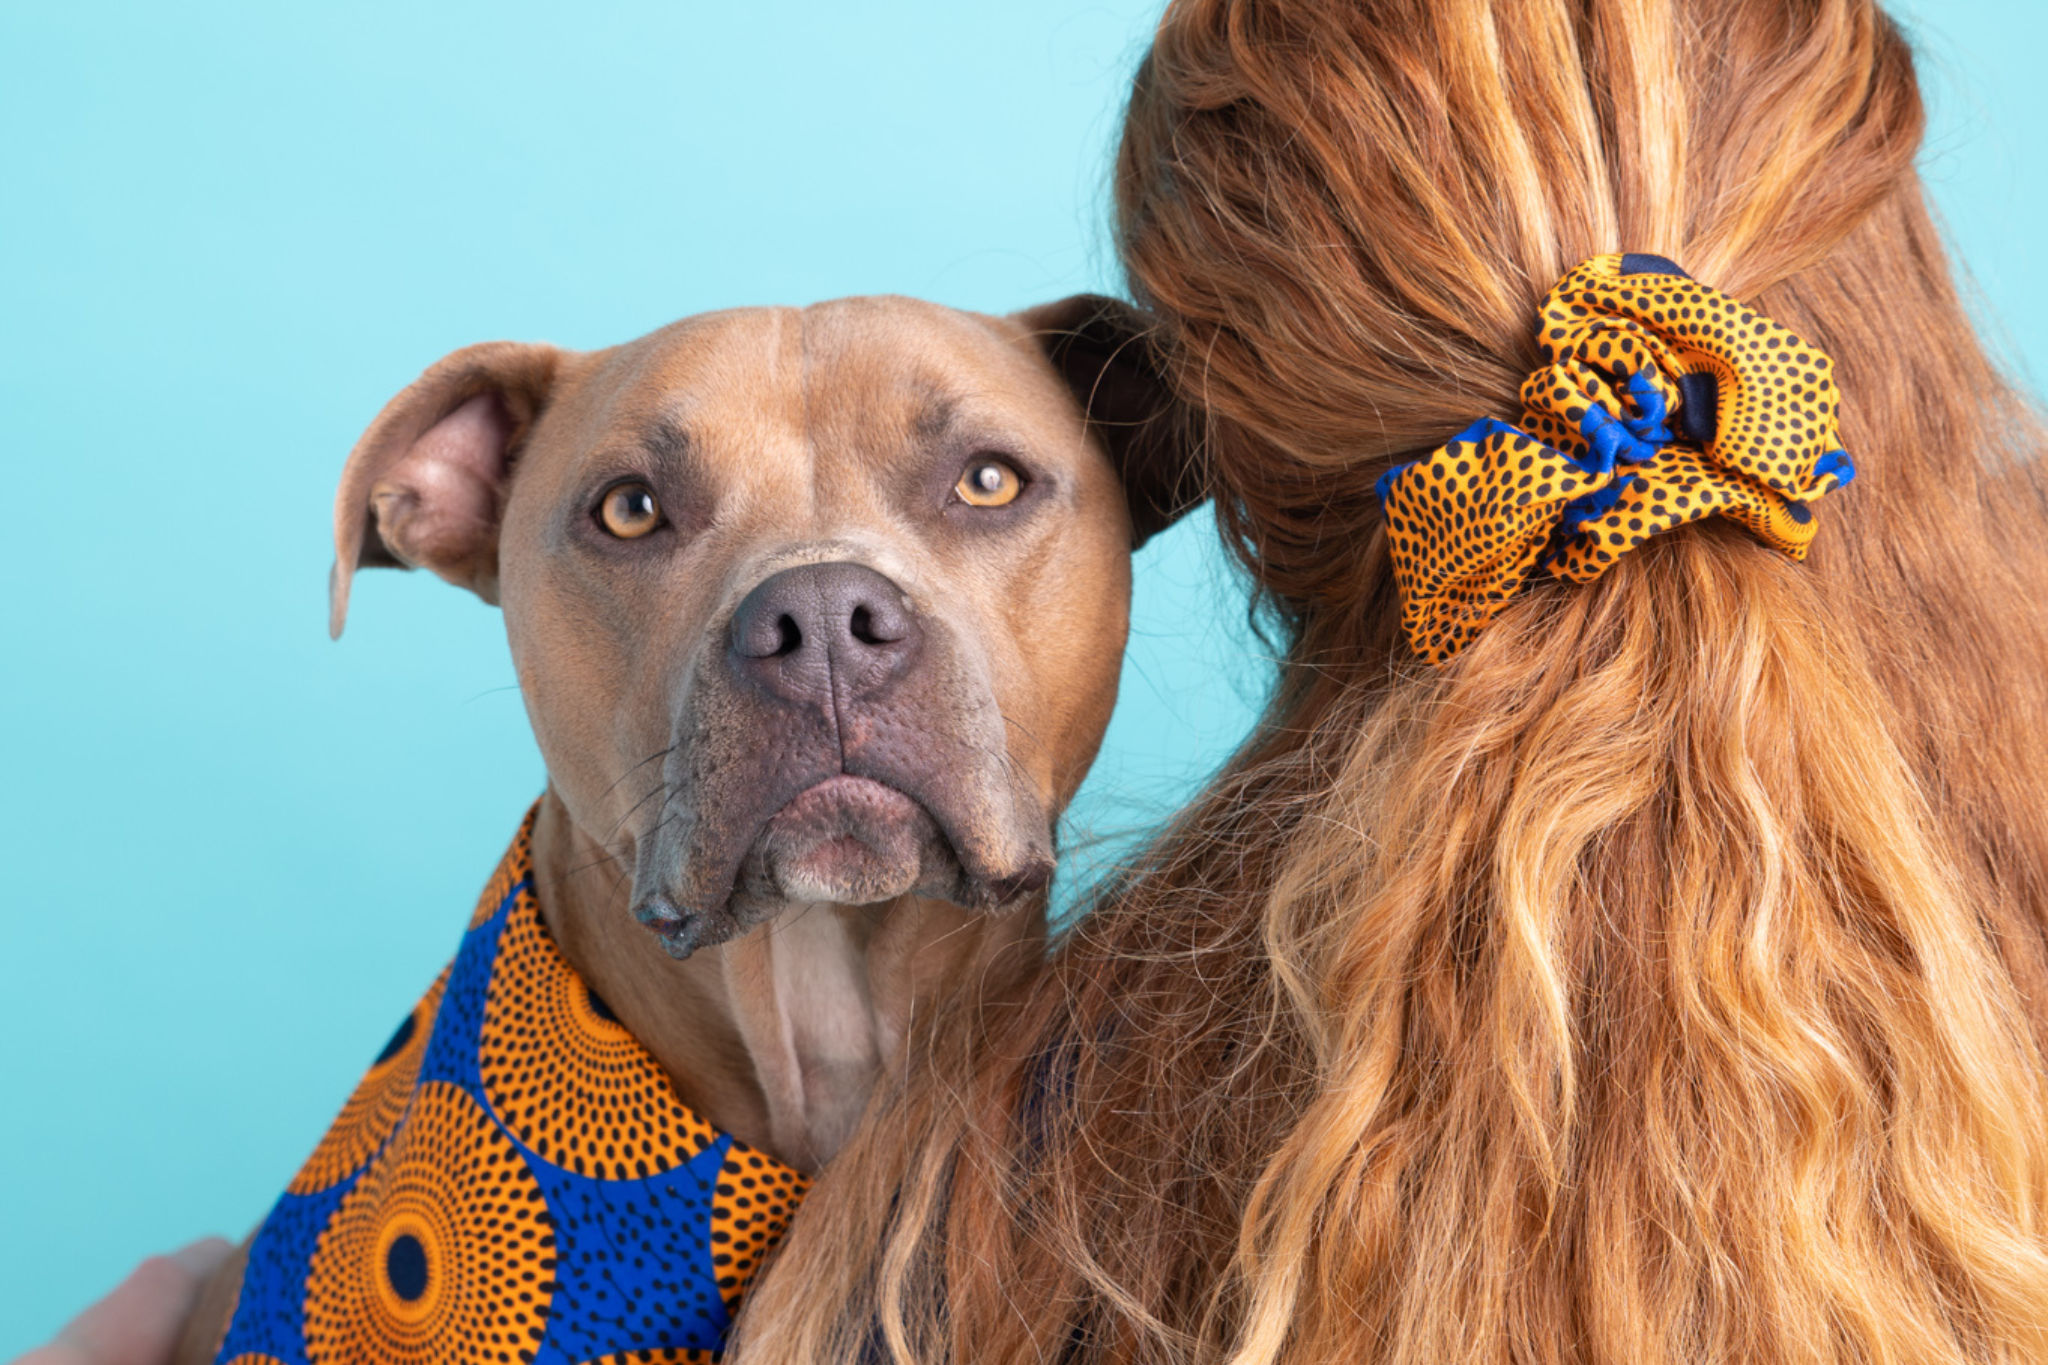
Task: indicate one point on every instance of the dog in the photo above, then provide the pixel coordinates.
(818, 616)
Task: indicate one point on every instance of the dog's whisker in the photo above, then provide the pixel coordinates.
(657, 754)
(660, 788)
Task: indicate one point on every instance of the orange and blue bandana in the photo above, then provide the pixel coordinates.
(1661, 401)
(515, 1180)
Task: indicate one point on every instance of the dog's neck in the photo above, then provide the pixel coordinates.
(777, 1037)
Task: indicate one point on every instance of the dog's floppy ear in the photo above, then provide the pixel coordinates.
(424, 487)
(1105, 350)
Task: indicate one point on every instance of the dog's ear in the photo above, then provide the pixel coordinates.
(425, 485)
(1105, 350)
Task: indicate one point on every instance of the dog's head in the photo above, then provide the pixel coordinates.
(819, 605)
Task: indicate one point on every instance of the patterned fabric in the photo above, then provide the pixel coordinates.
(1660, 401)
(514, 1180)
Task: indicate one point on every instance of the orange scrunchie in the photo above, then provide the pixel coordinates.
(1661, 401)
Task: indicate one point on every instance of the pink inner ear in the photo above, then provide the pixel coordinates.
(438, 506)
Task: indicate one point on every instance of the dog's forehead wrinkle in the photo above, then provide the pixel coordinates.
(667, 438)
(921, 359)
(971, 419)
(803, 389)
(703, 378)
(934, 411)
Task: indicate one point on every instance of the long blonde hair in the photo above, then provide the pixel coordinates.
(1663, 980)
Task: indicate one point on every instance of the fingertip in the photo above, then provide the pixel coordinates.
(204, 1256)
(137, 1323)
(157, 1277)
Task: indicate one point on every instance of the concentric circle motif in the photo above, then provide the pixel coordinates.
(512, 870)
(751, 1208)
(566, 1077)
(255, 1360)
(379, 1099)
(444, 1251)
(1660, 402)
(663, 1355)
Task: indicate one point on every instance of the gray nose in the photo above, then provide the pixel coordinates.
(808, 632)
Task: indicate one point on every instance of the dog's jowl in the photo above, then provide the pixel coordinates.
(818, 616)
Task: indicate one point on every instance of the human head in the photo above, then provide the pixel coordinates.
(1664, 979)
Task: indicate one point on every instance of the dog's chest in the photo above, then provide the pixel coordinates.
(515, 1179)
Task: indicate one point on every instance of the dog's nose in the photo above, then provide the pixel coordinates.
(800, 631)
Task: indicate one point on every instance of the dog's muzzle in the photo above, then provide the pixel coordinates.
(838, 750)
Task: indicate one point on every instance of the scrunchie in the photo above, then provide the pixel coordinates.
(1660, 401)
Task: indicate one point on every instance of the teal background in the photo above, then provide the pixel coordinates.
(231, 851)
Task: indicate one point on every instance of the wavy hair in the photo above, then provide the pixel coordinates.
(1663, 980)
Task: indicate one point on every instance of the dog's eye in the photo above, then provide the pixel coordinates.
(989, 483)
(630, 511)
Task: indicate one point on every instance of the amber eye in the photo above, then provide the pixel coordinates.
(989, 483)
(630, 511)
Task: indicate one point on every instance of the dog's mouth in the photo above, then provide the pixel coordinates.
(848, 840)
(844, 840)
(834, 787)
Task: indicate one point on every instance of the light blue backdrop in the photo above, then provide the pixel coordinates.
(231, 850)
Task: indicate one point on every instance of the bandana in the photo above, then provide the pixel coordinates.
(1660, 401)
(515, 1180)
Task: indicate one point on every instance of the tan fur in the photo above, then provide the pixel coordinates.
(777, 438)
(811, 416)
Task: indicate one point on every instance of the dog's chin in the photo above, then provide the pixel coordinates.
(843, 841)
(847, 841)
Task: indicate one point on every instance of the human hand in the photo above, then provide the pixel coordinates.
(138, 1323)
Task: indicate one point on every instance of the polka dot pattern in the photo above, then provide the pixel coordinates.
(444, 1252)
(373, 1110)
(270, 1308)
(1660, 401)
(514, 1180)
(566, 1077)
(757, 1196)
(635, 1270)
